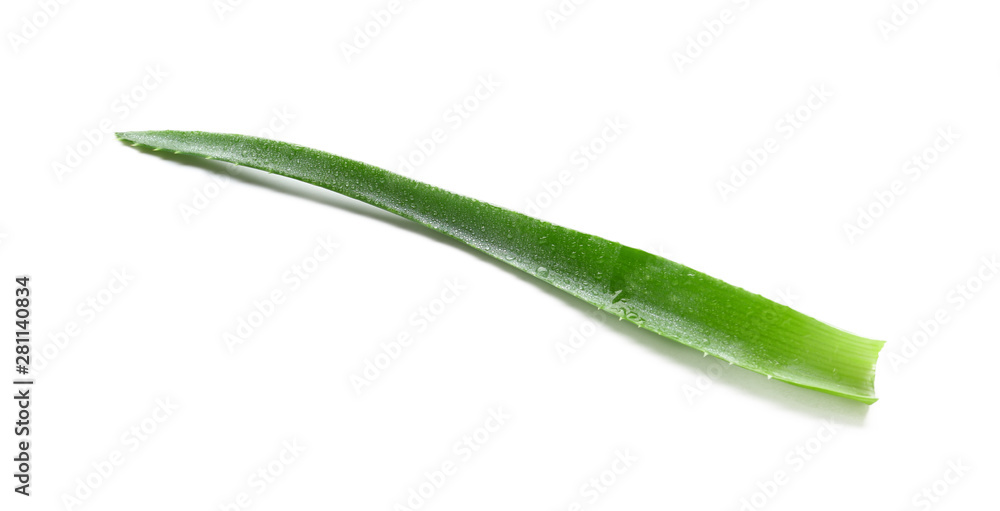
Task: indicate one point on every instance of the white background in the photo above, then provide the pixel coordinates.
(700, 436)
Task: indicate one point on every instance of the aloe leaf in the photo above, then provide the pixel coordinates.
(659, 295)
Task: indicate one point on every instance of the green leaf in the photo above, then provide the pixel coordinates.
(657, 294)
